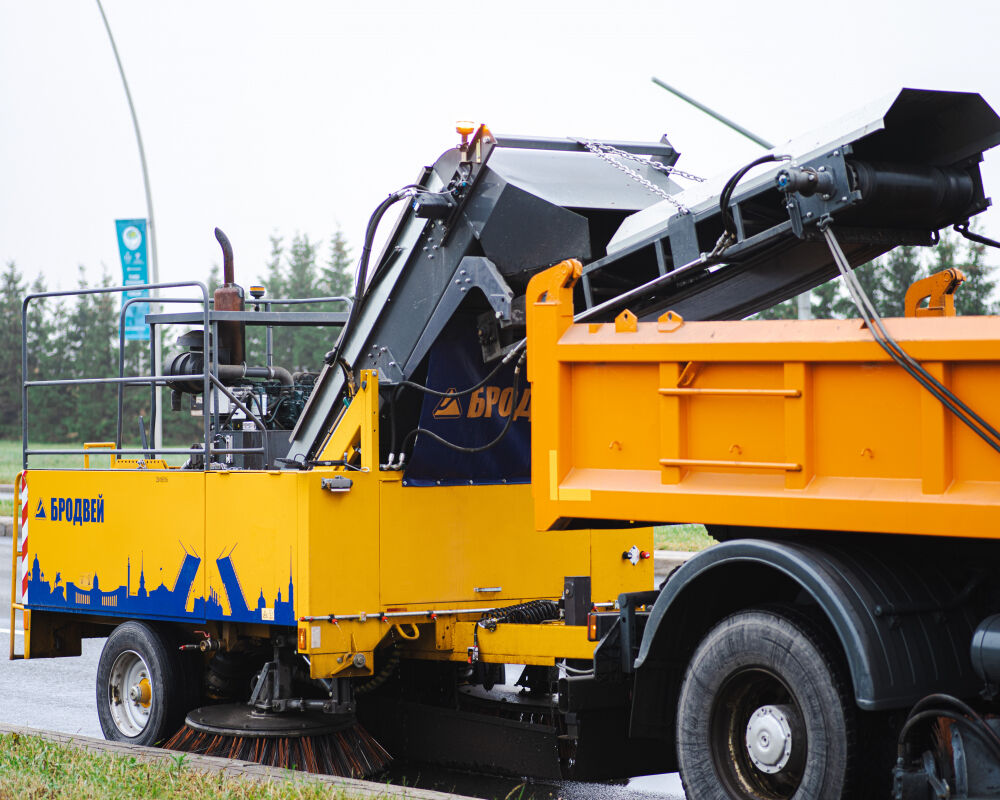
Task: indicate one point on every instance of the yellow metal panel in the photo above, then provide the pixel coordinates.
(252, 535)
(143, 549)
(611, 574)
(799, 435)
(973, 460)
(439, 544)
(868, 421)
(794, 424)
(935, 436)
(342, 551)
(599, 393)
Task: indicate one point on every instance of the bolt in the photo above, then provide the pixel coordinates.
(843, 199)
(359, 659)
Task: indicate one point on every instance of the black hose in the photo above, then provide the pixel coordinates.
(936, 713)
(461, 448)
(333, 356)
(728, 223)
(961, 705)
(948, 399)
(454, 392)
(963, 228)
(360, 283)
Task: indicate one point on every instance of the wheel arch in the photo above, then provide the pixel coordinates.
(893, 614)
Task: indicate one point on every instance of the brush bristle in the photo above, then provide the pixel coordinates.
(349, 753)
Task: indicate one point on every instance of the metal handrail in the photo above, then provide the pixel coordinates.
(269, 333)
(152, 359)
(211, 385)
(153, 380)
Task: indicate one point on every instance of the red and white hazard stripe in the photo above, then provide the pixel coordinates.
(23, 540)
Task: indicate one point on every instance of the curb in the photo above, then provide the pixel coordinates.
(231, 768)
(6, 526)
(666, 561)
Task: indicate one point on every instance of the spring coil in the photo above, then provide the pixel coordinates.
(384, 674)
(531, 613)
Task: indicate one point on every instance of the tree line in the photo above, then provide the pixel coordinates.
(886, 279)
(77, 337)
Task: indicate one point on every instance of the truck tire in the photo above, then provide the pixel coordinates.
(765, 713)
(140, 696)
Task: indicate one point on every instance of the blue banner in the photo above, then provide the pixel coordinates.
(135, 270)
(470, 420)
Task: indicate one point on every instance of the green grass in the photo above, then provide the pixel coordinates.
(33, 767)
(689, 538)
(10, 458)
(6, 508)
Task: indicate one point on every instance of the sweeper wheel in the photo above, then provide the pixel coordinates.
(138, 676)
(314, 742)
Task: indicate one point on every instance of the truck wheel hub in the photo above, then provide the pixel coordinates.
(769, 738)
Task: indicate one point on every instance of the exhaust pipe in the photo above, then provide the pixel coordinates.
(229, 297)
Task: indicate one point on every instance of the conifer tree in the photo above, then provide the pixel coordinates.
(12, 290)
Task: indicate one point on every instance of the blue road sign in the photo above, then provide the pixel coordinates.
(135, 270)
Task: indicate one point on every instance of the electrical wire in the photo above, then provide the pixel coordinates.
(462, 448)
(954, 404)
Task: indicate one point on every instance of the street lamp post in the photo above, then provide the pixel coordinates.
(154, 260)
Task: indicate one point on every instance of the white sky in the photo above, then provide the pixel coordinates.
(301, 116)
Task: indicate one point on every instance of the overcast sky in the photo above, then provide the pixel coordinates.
(301, 116)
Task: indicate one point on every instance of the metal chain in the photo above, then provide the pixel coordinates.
(666, 168)
(609, 153)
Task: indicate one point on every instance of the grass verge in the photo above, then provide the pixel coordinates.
(6, 508)
(10, 458)
(34, 767)
(689, 538)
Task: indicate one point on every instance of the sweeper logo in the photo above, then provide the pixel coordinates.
(448, 408)
(492, 399)
(484, 403)
(76, 510)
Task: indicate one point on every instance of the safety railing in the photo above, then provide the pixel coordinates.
(211, 385)
(209, 378)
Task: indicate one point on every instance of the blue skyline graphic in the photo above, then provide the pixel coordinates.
(162, 602)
